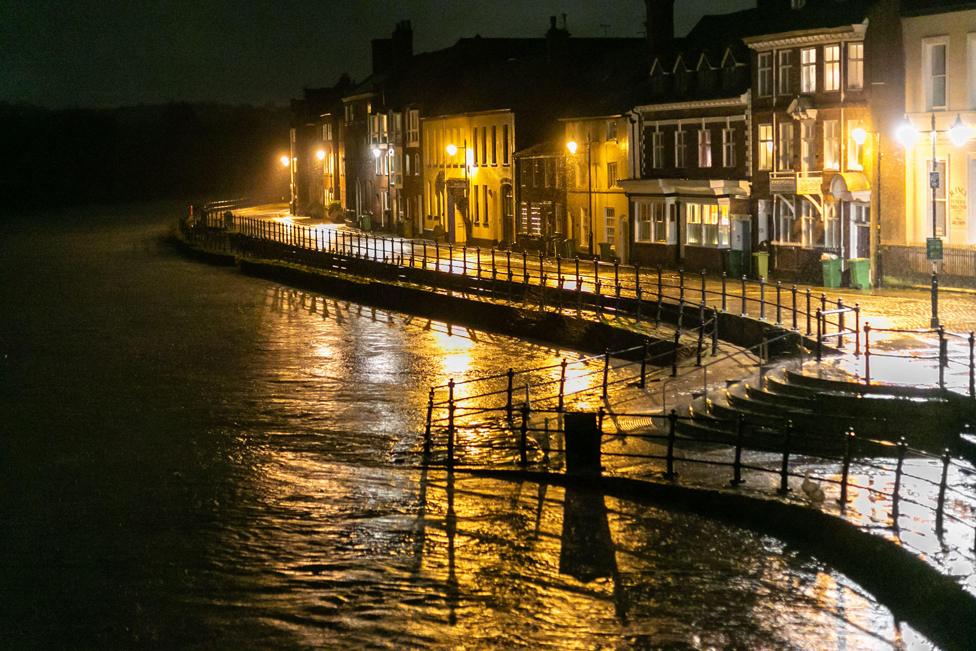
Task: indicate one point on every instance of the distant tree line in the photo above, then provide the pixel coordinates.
(180, 150)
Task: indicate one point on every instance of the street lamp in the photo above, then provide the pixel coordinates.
(959, 134)
(573, 147)
(284, 160)
(320, 154)
(452, 151)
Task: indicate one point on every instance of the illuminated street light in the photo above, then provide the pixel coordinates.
(959, 132)
(859, 135)
(320, 154)
(572, 146)
(376, 152)
(285, 161)
(451, 149)
(907, 134)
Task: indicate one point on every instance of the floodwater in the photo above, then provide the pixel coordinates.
(195, 458)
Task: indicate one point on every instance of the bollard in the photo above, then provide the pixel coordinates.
(902, 449)
(523, 435)
(737, 462)
(430, 413)
(562, 384)
(940, 509)
(846, 469)
(867, 353)
(840, 324)
(672, 431)
(643, 371)
(582, 436)
(784, 471)
(606, 371)
(450, 422)
(724, 279)
(511, 387)
(743, 295)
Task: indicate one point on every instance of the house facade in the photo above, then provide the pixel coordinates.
(940, 113)
(468, 177)
(598, 159)
(540, 218)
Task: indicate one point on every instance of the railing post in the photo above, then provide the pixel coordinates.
(437, 255)
(494, 269)
(714, 332)
(819, 337)
(779, 303)
(643, 371)
(616, 275)
(579, 279)
(784, 471)
(450, 422)
(511, 388)
(742, 288)
(902, 449)
(423, 260)
(508, 264)
(681, 284)
(840, 323)
(940, 510)
(430, 413)
(809, 331)
(660, 284)
(559, 267)
(701, 339)
(523, 435)
(737, 462)
(762, 298)
(674, 356)
(525, 268)
(846, 469)
(867, 353)
(703, 296)
(450, 258)
(562, 384)
(596, 269)
(857, 329)
(606, 371)
(638, 296)
(672, 431)
(972, 364)
(637, 286)
(724, 295)
(943, 355)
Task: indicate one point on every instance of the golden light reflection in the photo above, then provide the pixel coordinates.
(454, 348)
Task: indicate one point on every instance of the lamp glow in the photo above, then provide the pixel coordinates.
(572, 146)
(859, 135)
(284, 160)
(376, 152)
(320, 154)
(451, 149)
(907, 134)
(960, 132)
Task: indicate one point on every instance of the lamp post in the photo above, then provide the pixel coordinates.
(452, 151)
(959, 134)
(573, 146)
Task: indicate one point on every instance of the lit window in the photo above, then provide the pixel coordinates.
(855, 65)
(808, 70)
(765, 147)
(832, 68)
(808, 150)
(935, 77)
(611, 175)
(785, 150)
(610, 218)
(831, 150)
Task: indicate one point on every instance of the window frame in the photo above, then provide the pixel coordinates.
(928, 86)
(855, 63)
(764, 74)
(831, 68)
(704, 147)
(808, 70)
(784, 71)
(764, 154)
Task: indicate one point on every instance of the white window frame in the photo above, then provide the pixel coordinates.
(808, 148)
(680, 148)
(808, 219)
(784, 149)
(831, 68)
(764, 140)
(808, 70)
(654, 222)
(413, 128)
(784, 63)
(764, 75)
(612, 174)
(928, 47)
(832, 235)
(831, 144)
(971, 69)
(728, 146)
(704, 147)
(657, 150)
(855, 65)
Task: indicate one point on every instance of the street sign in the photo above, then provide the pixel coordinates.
(934, 180)
(933, 249)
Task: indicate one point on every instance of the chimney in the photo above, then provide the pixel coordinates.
(659, 25)
(402, 44)
(557, 41)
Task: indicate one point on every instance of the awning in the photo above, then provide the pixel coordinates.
(850, 186)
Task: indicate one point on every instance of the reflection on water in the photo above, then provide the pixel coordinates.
(191, 455)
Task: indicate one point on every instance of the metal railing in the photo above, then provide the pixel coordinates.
(942, 356)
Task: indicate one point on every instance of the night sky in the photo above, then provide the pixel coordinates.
(120, 52)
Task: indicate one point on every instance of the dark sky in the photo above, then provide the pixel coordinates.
(120, 52)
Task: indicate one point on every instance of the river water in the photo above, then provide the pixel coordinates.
(192, 457)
